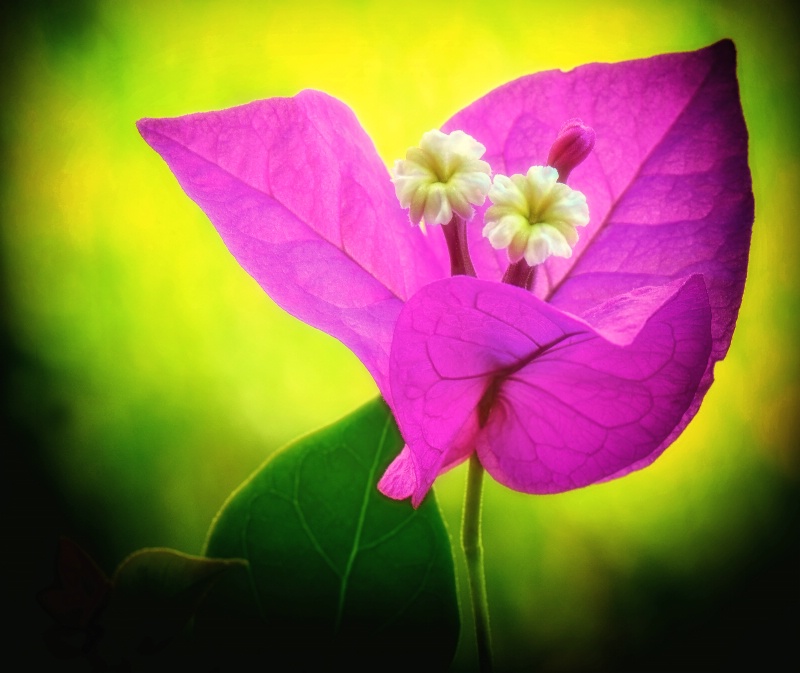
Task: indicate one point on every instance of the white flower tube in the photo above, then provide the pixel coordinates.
(444, 175)
(534, 216)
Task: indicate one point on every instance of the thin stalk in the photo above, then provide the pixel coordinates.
(520, 274)
(455, 234)
(473, 552)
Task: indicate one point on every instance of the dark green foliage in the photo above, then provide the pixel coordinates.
(338, 573)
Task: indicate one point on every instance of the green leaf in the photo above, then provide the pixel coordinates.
(338, 573)
(155, 593)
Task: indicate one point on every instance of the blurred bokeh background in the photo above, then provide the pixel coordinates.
(145, 375)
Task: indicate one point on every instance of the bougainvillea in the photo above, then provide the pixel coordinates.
(586, 371)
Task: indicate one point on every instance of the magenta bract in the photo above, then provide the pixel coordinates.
(587, 377)
(298, 193)
(547, 401)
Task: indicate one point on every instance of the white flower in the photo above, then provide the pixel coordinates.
(444, 175)
(534, 215)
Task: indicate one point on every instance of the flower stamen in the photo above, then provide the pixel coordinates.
(442, 177)
(534, 216)
(439, 182)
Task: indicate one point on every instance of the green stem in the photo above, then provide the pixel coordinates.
(473, 552)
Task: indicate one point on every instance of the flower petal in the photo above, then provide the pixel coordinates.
(297, 192)
(400, 479)
(668, 185)
(549, 402)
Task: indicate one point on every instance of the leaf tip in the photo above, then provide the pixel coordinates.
(150, 128)
(723, 51)
(145, 126)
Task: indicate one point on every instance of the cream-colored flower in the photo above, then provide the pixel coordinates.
(534, 215)
(444, 175)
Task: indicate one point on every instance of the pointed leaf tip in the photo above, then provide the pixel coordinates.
(146, 127)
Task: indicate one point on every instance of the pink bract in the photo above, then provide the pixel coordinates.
(586, 378)
(304, 203)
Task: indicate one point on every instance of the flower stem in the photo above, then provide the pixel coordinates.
(473, 552)
(455, 234)
(520, 274)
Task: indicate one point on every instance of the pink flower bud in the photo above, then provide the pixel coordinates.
(574, 143)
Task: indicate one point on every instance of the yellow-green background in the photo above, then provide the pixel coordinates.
(145, 374)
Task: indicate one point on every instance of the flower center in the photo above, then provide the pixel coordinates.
(534, 216)
(442, 177)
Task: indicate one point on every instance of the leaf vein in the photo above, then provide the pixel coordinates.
(360, 525)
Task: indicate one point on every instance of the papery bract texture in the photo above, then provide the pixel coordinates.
(298, 193)
(548, 402)
(586, 378)
(668, 185)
